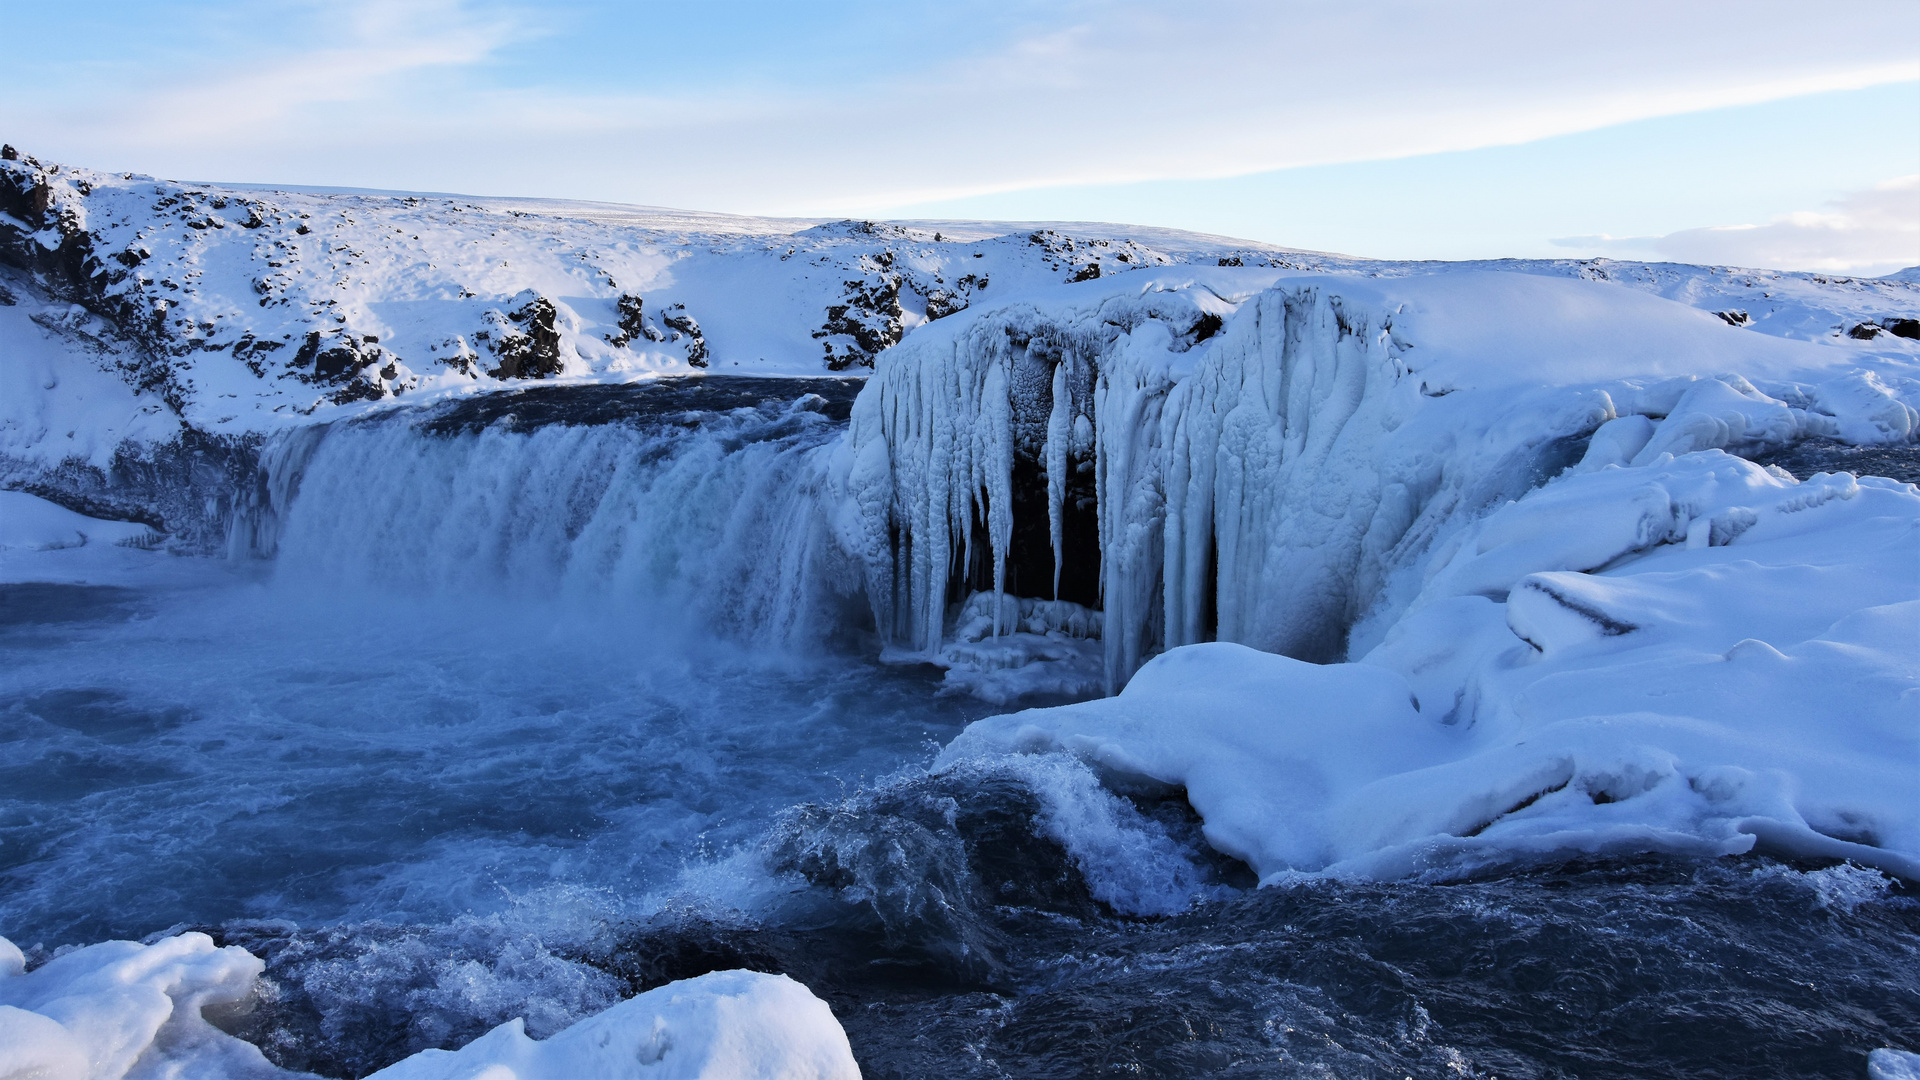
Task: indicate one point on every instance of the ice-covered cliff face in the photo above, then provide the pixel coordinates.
(1272, 458)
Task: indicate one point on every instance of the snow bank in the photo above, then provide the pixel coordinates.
(64, 394)
(1697, 655)
(30, 523)
(123, 1009)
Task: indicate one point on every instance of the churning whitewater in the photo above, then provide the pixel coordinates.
(1198, 666)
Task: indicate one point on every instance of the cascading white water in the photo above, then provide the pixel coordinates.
(722, 525)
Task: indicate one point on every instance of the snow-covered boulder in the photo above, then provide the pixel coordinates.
(727, 1025)
(121, 1010)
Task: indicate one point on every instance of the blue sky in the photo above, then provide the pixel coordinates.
(1763, 133)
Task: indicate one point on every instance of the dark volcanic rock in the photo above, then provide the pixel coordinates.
(526, 341)
(682, 324)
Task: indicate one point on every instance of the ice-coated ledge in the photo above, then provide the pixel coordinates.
(121, 1009)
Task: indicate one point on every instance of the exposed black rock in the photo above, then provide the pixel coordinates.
(943, 301)
(869, 320)
(526, 342)
(634, 324)
(680, 324)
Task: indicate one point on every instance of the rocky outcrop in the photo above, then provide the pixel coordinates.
(633, 324)
(524, 340)
(682, 326)
(868, 320)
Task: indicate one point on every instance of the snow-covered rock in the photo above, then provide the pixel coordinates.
(121, 1010)
(727, 1025)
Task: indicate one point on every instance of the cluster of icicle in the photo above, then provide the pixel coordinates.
(1280, 485)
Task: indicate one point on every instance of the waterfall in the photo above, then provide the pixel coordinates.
(720, 516)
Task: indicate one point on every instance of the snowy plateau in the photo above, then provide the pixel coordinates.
(1239, 575)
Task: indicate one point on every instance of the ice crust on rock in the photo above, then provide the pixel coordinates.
(1890, 1064)
(122, 1010)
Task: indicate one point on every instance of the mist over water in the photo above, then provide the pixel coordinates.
(519, 706)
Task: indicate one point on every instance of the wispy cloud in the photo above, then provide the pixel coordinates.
(1866, 232)
(347, 55)
(393, 94)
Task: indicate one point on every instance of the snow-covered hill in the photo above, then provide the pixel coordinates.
(245, 309)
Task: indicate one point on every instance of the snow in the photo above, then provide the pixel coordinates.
(1547, 609)
(1396, 569)
(254, 308)
(32, 524)
(726, 1025)
(122, 1009)
(1314, 451)
(63, 392)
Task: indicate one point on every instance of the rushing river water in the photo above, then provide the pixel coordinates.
(545, 699)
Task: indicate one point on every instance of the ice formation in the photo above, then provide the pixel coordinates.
(122, 1010)
(1577, 621)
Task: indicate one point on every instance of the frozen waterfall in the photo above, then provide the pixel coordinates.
(1274, 460)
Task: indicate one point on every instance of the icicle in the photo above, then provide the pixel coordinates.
(1059, 432)
(996, 429)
